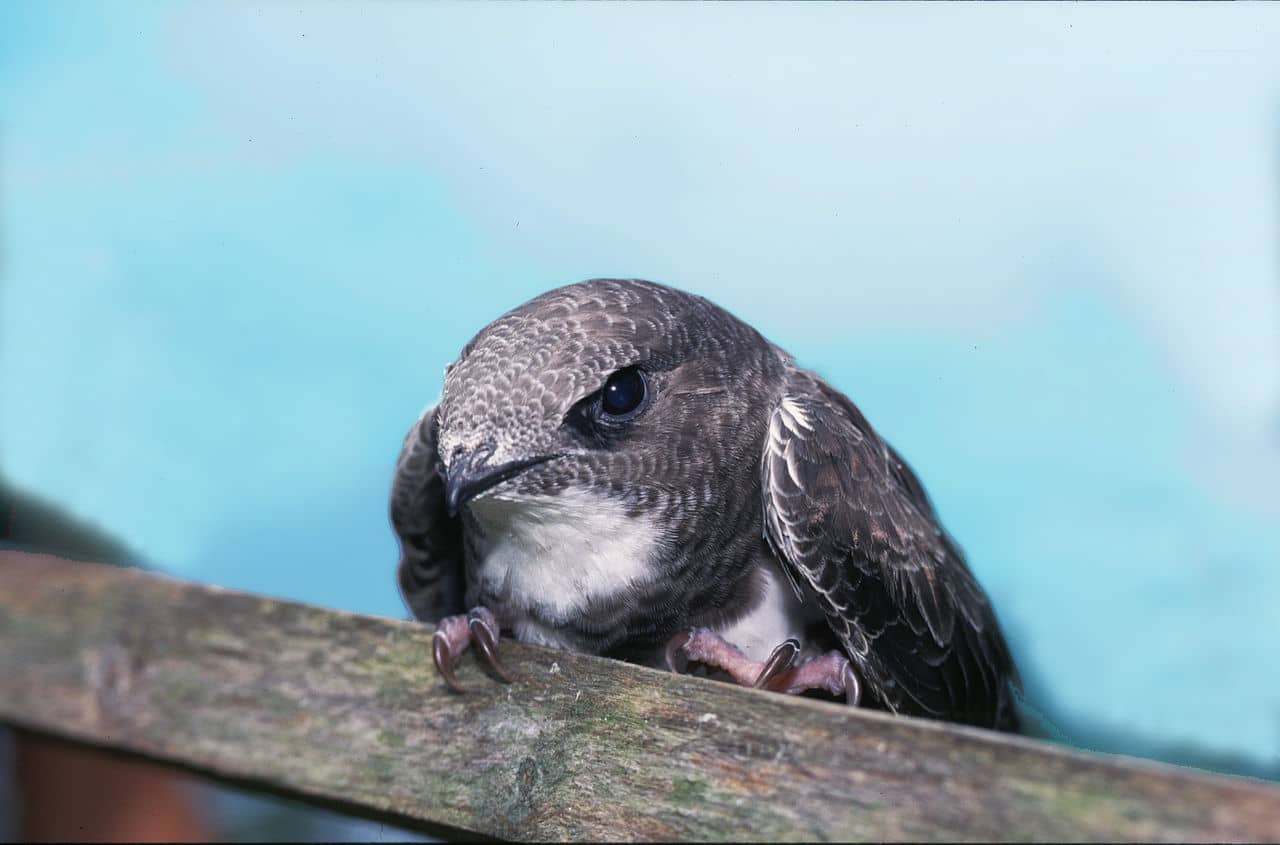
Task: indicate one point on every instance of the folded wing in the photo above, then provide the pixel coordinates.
(431, 573)
(850, 520)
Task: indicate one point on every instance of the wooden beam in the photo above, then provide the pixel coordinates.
(348, 708)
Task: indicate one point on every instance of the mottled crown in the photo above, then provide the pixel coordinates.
(516, 379)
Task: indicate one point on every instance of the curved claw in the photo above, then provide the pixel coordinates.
(675, 653)
(487, 644)
(780, 660)
(444, 661)
(852, 686)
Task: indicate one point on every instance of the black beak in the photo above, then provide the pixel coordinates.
(470, 475)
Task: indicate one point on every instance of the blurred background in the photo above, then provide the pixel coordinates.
(1036, 244)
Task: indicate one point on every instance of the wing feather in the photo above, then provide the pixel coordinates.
(431, 571)
(850, 519)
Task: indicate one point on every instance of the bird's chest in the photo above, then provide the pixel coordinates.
(552, 567)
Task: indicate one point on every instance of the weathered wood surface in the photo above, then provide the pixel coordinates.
(339, 706)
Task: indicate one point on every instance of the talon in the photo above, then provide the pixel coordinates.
(444, 661)
(487, 644)
(852, 686)
(675, 653)
(779, 661)
(831, 672)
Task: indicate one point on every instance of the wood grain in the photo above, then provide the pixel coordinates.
(348, 708)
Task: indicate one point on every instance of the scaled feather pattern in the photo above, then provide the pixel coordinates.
(741, 494)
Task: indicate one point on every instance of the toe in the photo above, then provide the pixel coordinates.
(677, 661)
(852, 686)
(779, 661)
(487, 644)
(444, 661)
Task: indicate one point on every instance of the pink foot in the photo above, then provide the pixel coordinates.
(831, 672)
(455, 633)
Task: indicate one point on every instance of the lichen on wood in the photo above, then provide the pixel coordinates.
(348, 708)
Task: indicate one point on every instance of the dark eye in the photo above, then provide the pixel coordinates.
(623, 393)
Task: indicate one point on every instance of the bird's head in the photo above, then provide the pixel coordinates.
(626, 388)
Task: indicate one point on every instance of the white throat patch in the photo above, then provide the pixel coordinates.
(559, 553)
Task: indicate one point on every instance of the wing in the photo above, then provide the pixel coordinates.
(850, 520)
(431, 573)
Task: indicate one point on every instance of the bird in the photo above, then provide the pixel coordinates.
(622, 468)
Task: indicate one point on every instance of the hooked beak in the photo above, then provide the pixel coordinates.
(469, 475)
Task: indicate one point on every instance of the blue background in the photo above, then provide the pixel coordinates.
(1037, 244)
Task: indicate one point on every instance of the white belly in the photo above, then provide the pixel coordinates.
(548, 559)
(778, 615)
